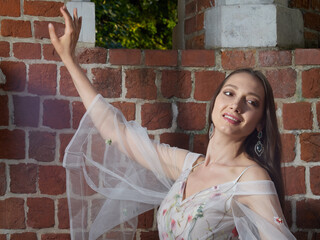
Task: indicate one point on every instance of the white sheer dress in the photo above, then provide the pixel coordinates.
(115, 172)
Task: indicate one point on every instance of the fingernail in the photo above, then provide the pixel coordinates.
(50, 25)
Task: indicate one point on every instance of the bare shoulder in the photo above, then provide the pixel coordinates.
(255, 173)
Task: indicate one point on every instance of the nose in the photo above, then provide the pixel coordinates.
(236, 106)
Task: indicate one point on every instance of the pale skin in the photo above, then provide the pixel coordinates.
(237, 112)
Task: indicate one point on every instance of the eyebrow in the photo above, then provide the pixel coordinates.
(235, 87)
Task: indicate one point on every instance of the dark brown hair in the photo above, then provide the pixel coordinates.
(270, 160)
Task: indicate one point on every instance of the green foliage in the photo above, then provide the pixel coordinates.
(141, 24)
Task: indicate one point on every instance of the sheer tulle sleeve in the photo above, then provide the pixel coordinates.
(114, 173)
(257, 212)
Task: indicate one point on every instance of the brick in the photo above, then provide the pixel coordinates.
(40, 213)
(318, 112)
(140, 83)
(311, 83)
(15, 73)
(197, 58)
(294, 187)
(10, 8)
(16, 28)
(3, 179)
(49, 53)
(92, 55)
(191, 8)
(52, 180)
(308, 213)
(288, 147)
(26, 111)
(315, 4)
(64, 141)
(127, 109)
(12, 213)
(107, 81)
(125, 56)
(42, 146)
(297, 116)
(156, 115)
(161, 58)
(56, 236)
(301, 235)
(27, 50)
(23, 178)
(206, 83)
(180, 140)
(235, 59)
(42, 8)
(204, 4)
(66, 86)
(24, 236)
(78, 110)
(41, 29)
(310, 39)
(176, 83)
(191, 116)
(56, 114)
(63, 214)
(12, 144)
(194, 24)
(4, 49)
(154, 235)
(283, 82)
(287, 211)
(315, 180)
(195, 42)
(299, 4)
(275, 58)
(310, 147)
(3, 236)
(145, 220)
(307, 56)
(42, 79)
(4, 111)
(200, 143)
(311, 20)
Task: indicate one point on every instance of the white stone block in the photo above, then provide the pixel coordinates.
(253, 25)
(87, 11)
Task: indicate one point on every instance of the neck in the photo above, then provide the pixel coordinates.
(223, 149)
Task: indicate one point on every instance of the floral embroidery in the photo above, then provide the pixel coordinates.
(278, 220)
(173, 224)
(189, 218)
(235, 232)
(164, 212)
(108, 141)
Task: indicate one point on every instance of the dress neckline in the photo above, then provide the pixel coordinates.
(184, 183)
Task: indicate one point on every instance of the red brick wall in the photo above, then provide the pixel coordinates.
(40, 110)
(311, 17)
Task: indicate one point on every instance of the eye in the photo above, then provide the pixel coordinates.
(228, 93)
(253, 103)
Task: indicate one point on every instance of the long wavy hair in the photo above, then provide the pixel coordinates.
(270, 159)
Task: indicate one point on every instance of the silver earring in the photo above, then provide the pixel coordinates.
(211, 131)
(258, 148)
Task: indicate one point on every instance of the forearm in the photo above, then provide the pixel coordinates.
(84, 87)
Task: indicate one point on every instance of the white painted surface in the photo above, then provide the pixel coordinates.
(253, 25)
(86, 10)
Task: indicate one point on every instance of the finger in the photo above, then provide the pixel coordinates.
(52, 33)
(75, 13)
(67, 18)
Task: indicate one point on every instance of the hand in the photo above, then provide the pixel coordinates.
(65, 45)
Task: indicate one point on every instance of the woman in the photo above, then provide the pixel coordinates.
(115, 172)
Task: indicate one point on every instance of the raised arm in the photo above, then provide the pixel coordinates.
(65, 47)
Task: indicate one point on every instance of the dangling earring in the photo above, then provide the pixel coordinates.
(258, 148)
(211, 131)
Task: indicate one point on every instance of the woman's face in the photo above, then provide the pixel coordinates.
(239, 106)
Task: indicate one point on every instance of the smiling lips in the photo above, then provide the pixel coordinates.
(231, 119)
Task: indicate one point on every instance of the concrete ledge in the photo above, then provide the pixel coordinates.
(87, 11)
(253, 25)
